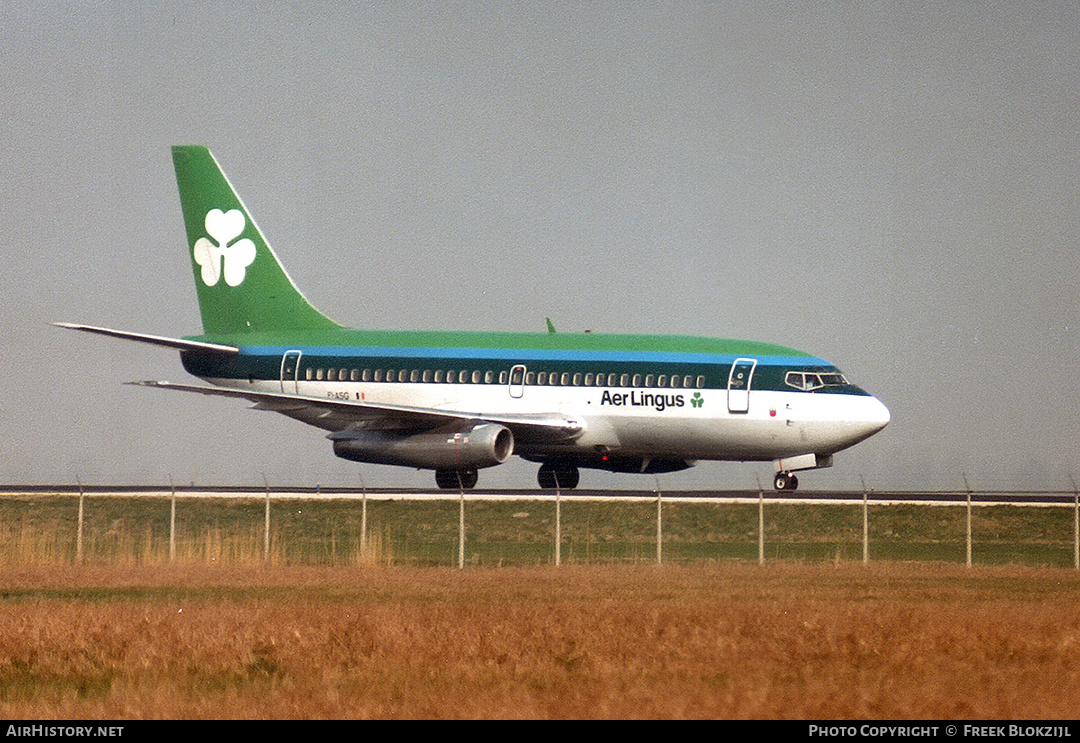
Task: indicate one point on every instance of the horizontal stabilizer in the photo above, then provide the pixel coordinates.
(179, 344)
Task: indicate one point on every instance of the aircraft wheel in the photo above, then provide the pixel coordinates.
(785, 481)
(552, 477)
(546, 478)
(454, 479)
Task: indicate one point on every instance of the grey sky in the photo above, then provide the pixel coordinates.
(892, 186)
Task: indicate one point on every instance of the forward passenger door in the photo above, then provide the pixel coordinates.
(738, 390)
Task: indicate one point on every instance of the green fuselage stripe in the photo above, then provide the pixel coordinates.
(493, 343)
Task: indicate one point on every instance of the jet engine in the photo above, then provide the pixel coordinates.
(484, 445)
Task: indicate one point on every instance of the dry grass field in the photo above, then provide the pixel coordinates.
(733, 640)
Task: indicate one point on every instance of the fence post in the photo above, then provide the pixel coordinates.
(558, 522)
(760, 522)
(659, 523)
(172, 520)
(266, 522)
(79, 534)
(1076, 524)
(968, 489)
(363, 517)
(865, 525)
(461, 524)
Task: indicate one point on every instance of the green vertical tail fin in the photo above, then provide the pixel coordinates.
(241, 284)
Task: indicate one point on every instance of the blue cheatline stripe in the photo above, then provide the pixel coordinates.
(513, 355)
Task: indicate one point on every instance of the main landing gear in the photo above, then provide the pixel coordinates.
(785, 481)
(557, 475)
(456, 479)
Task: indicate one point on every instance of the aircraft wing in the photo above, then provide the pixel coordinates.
(338, 415)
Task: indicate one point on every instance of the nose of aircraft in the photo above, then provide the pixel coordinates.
(875, 416)
(845, 421)
(862, 419)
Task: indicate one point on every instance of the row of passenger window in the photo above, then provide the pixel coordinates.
(517, 375)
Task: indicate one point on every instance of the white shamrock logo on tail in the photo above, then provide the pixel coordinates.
(222, 259)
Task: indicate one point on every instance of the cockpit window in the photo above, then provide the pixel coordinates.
(807, 381)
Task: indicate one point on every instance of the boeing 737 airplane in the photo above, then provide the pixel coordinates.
(456, 402)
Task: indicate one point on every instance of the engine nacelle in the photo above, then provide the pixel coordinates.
(485, 445)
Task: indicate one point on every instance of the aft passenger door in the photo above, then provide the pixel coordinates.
(738, 386)
(290, 370)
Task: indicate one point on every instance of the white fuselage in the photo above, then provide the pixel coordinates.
(685, 423)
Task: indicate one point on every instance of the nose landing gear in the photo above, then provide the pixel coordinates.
(785, 481)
